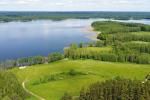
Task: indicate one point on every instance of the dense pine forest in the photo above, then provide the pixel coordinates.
(116, 89)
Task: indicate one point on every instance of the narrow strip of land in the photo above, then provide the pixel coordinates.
(38, 97)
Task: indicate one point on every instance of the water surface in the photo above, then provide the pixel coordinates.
(41, 37)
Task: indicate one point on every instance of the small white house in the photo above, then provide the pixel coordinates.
(22, 67)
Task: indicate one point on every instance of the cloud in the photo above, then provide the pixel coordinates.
(76, 5)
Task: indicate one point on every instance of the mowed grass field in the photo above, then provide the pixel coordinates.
(95, 71)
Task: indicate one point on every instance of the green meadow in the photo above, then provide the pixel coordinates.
(73, 75)
(141, 33)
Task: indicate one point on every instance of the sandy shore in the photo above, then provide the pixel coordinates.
(92, 34)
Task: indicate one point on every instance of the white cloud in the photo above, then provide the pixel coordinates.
(76, 5)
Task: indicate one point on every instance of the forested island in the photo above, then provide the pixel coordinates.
(115, 67)
(29, 16)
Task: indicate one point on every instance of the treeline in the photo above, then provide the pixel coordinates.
(28, 61)
(123, 37)
(10, 89)
(111, 31)
(28, 16)
(135, 52)
(31, 61)
(112, 27)
(116, 89)
(119, 52)
(108, 56)
(132, 47)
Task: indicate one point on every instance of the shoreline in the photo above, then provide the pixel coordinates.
(92, 34)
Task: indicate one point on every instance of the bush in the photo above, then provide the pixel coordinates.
(99, 44)
(55, 57)
(143, 59)
(72, 72)
(66, 97)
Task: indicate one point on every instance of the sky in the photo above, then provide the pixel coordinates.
(75, 5)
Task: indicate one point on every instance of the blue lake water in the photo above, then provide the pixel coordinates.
(41, 37)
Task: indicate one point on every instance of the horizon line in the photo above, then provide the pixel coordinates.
(68, 11)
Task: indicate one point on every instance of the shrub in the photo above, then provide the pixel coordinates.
(55, 57)
(143, 59)
(72, 72)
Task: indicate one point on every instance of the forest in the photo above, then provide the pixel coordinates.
(126, 45)
(116, 89)
(10, 88)
(28, 61)
(28, 16)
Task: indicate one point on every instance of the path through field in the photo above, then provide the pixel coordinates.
(38, 97)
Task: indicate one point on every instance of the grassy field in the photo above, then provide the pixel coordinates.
(94, 49)
(93, 71)
(141, 33)
(139, 42)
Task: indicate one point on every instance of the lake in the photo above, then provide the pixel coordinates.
(41, 37)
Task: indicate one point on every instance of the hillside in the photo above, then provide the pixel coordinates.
(10, 89)
(51, 81)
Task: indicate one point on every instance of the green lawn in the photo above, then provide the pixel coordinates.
(95, 71)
